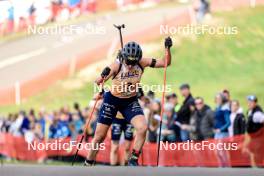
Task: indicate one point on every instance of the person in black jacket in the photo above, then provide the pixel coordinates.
(184, 113)
(201, 122)
(253, 146)
(255, 115)
(237, 119)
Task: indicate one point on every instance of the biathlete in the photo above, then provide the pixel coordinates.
(126, 74)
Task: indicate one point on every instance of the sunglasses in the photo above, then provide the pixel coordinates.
(131, 61)
(198, 103)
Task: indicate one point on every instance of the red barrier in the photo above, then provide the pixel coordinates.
(241, 155)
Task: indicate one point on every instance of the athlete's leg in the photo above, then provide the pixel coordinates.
(133, 113)
(106, 114)
(115, 135)
(140, 125)
(127, 145)
(99, 136)
(128, 129)
(114, 153)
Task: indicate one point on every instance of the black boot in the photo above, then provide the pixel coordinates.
(89, 162)
(133, 160)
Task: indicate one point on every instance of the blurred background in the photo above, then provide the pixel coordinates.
(52, 50)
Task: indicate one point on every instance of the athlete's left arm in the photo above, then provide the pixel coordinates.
(158, 63)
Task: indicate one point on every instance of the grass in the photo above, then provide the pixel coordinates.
(209, 63)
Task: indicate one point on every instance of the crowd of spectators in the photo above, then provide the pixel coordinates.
(16, 15)
(195, 120)
(191, 120)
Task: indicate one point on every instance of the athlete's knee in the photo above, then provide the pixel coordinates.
(99, 137)
(114, 149)
(142, 128)
(127, 149)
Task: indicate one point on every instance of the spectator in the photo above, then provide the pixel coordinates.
(153, 122)
(76, 107)
(31, 11)
(16, 125)
(202, 10)
(41, 120)
(54, 126)
(202, 121)
(255, 115)
(168, 126)
(66, 110)
(151, 95)
(32, 117)
(63, 129)
(7, 123)
(184, 112)
(2, 124)
(237, 120)
(48, 120)
(144, 102)
(173, 99)
(38, 132)
(25, 123)
(254, 143)
(10, 19)
(34, 133)
(227, 95)
(77, 123)
(222, 120)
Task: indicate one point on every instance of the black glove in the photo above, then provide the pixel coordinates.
(168, 42)
(105, 72)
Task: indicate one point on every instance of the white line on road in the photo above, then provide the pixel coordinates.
(13, 60)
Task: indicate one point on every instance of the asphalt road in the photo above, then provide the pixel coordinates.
(29, 57)
(38, 170)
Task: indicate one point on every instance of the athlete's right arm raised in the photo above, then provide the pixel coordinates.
(158, 63)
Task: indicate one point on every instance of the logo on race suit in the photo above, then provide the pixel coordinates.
(108, 105)
(107, 112)
(107, 109)
(130, 74)
(116, 129)
(136, 107)
(129, 128)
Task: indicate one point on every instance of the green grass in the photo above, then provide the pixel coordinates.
(209, 63)
(212, 62)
